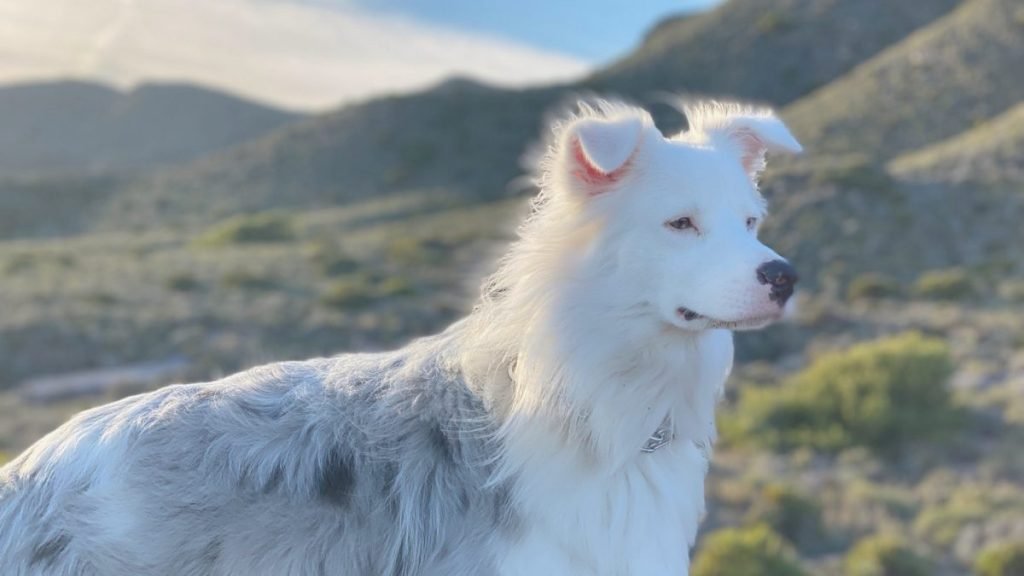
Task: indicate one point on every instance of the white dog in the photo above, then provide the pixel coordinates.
(562, 428)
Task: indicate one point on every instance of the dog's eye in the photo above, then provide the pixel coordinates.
(684, 223)
(751, 223)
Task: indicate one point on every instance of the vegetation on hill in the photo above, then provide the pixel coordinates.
(989, 154)
(52, 205)
(940, 81)
(948, 284)
(754, 551)
(792, 514)
(881, 395)
(1001, 560)
(865, 222)
(250, 228)
(288, 282)
(884, 556)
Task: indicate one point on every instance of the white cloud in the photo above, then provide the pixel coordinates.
(297, 55)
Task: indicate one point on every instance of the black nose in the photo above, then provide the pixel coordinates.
(780, 276)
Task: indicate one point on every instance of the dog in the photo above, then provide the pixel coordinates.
(563, 427)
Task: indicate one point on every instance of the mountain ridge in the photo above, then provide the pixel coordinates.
(72, 126)
(461, 136)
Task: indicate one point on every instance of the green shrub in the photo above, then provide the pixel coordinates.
(1012, 290)
(4, 458)
(941, 524)
(24, 261)
(20, 263)
(871, 286)
(1001, 560)
(250, 228)
(331, 260)
(789, 513)
(412, 158)
(884, 556)
(350, 292)
(947, 284)
(100, 298)
(752, 551)
(774, 22)
(182, 282)
(416, 252)
(396, 286)
(878, 395)
(247, 280)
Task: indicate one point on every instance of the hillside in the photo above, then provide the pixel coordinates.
(301, 289)
(214, 302)
(461, 137)
(937, 83)
(990, 153)
(773, 51)
(73, 126)
(54, 204)
(841, 218)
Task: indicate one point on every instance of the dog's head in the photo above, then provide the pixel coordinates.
(676, 219)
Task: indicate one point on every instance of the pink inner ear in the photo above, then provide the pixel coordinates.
(587, 172)
(752, 149)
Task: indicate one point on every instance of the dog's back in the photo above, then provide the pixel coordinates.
(364, 464)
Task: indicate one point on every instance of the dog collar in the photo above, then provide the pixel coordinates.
(662, 436)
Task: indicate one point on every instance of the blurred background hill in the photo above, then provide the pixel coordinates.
(78, 126)
(172, 232)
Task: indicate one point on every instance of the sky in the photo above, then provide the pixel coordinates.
(594, 30)
(316, 54)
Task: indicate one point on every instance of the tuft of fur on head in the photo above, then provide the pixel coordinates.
(750, 130)
(704, 117)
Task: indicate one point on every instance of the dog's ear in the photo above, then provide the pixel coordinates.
(757, 134)
(751, 132)
(600, 150)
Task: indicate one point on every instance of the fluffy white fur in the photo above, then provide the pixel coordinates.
(509, 445)
(588, 304)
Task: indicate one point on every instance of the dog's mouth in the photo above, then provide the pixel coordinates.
(751, 323)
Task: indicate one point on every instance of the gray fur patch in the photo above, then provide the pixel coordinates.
(211, 552)
(505, 516)
(442, 445)
(337, 480)
(48, 552)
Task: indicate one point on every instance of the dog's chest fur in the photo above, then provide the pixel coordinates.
(623, 512)
(640, 521)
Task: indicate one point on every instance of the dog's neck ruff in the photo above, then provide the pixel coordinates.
(661, 437)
